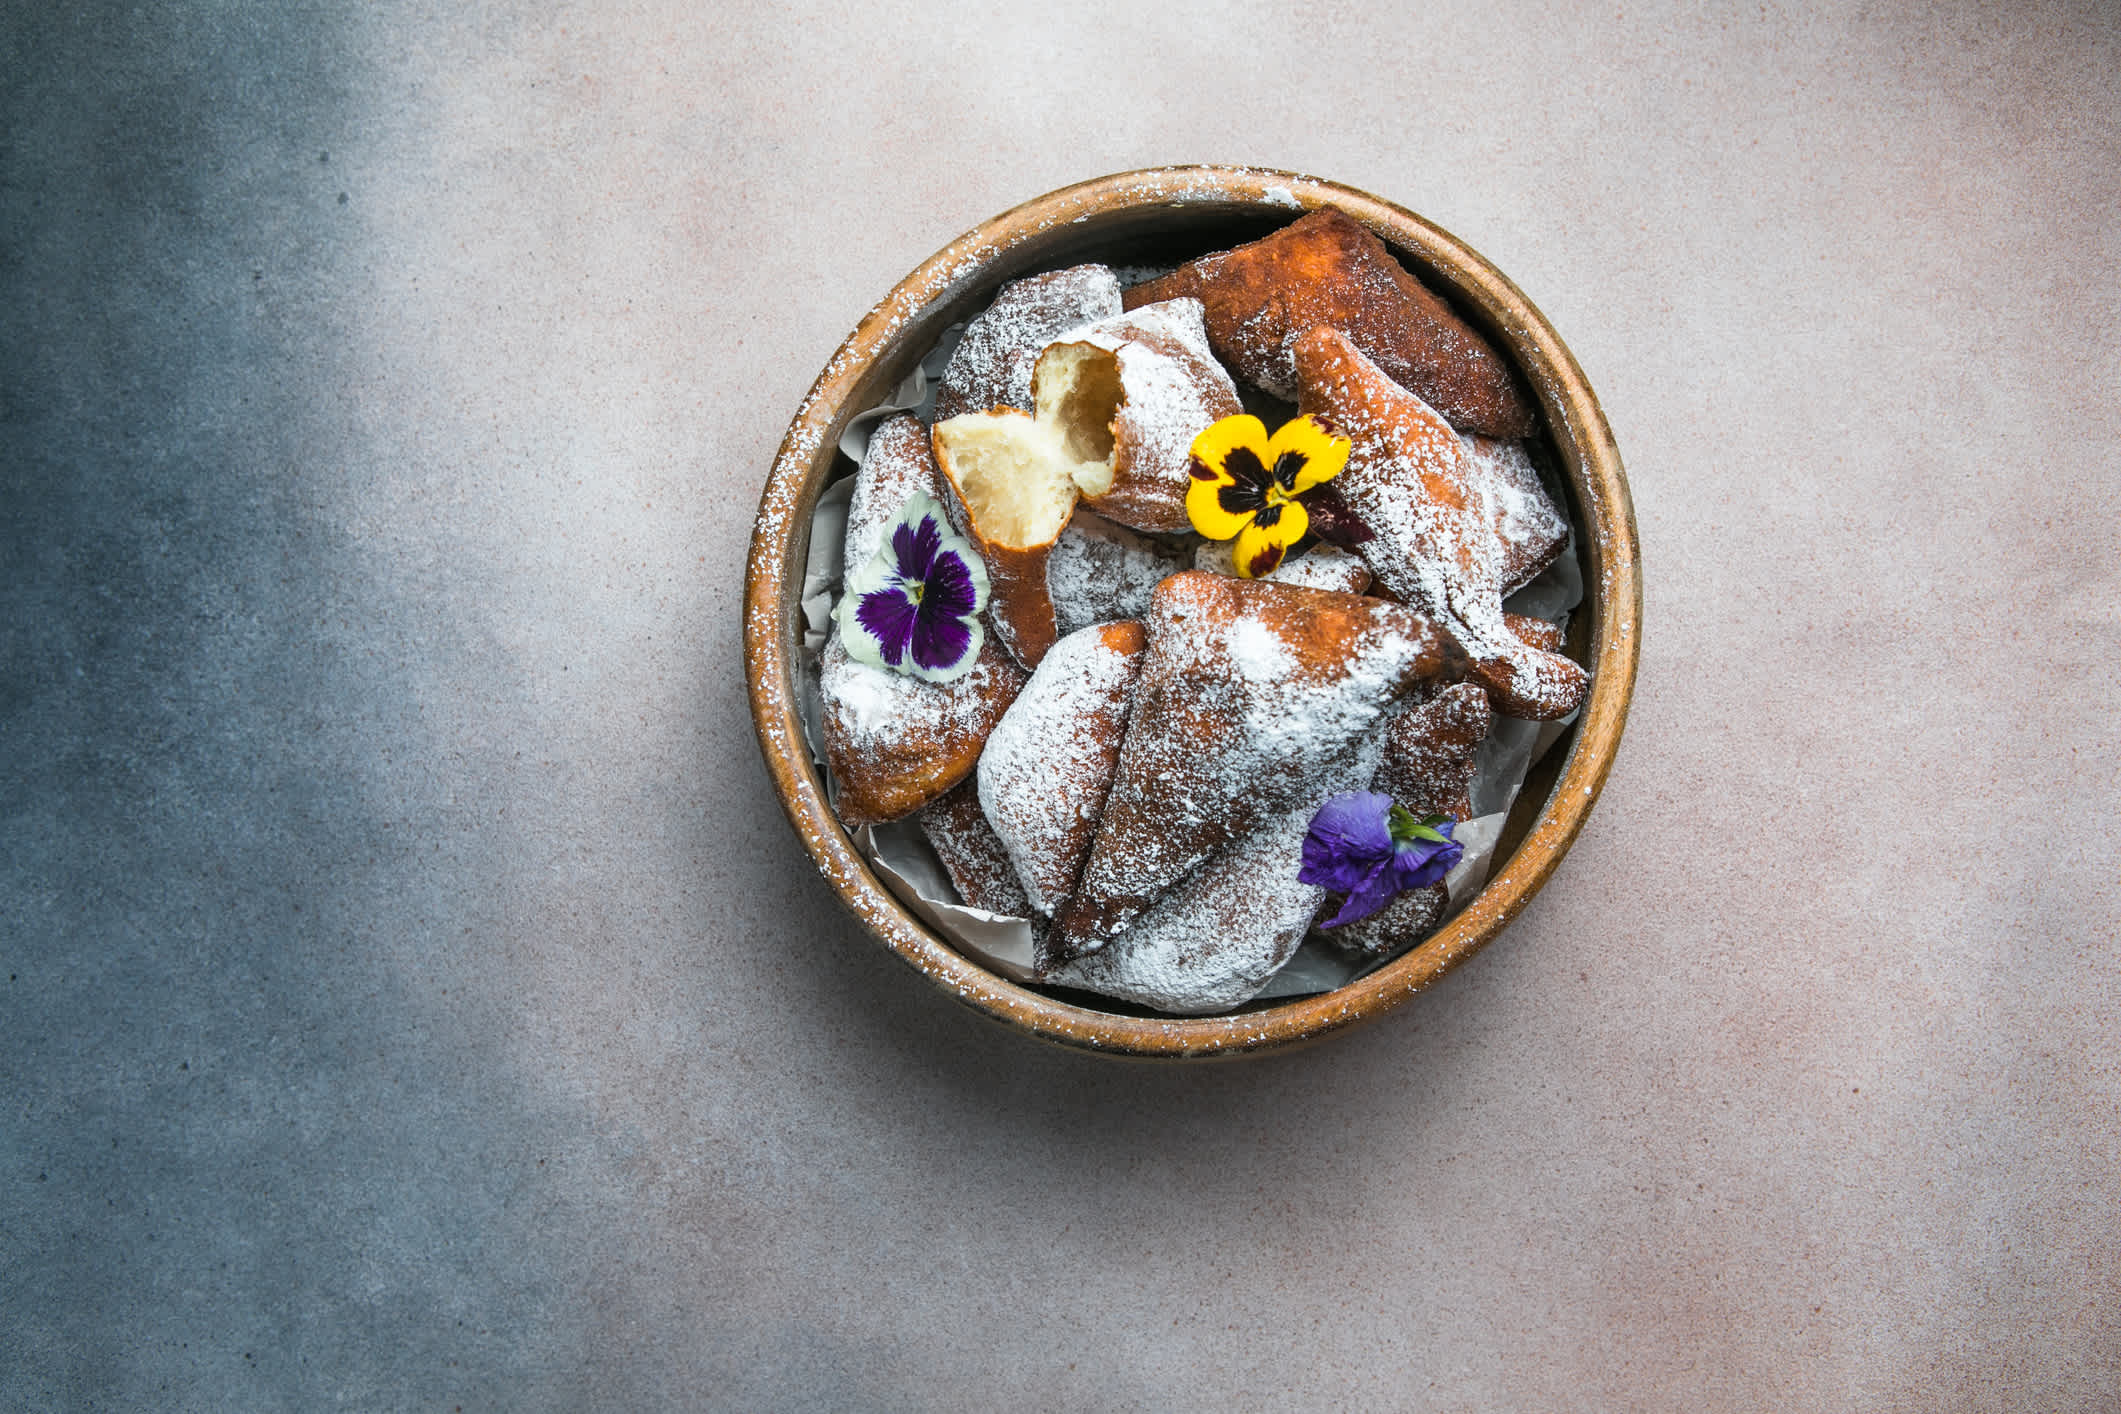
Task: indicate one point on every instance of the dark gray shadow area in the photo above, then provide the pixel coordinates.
(242, 1160)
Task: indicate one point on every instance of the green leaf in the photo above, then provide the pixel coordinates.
(1405, 827)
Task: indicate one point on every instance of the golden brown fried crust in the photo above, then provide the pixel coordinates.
(1019, 600)
(1536, 633)
(1019, 603)
(1327, 268)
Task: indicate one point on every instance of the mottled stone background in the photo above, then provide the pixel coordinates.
(414, 998)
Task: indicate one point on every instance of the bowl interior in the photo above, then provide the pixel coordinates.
(1162, 218)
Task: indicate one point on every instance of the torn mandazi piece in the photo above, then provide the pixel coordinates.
(1128, 395)
(991, 366)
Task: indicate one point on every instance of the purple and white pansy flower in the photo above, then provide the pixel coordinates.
(915, 607)
(1370, 848)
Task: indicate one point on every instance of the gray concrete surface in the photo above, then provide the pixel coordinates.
(414, 1000)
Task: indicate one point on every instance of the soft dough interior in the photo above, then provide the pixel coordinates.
(1012, 474)
(1077, 390)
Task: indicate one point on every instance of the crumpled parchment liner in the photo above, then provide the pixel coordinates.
(902, 858)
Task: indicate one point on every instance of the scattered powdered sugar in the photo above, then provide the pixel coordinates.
(991, 366)
(862, 700)
(1098, 572)
(1259, 348)
(1430, 751)
(1049, 763)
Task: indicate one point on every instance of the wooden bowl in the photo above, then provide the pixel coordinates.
(1165, 215)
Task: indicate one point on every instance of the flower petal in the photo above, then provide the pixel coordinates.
(1420, 863)
(1318, 455)
(914, 541)
(1264, 544)
(1245, 485)
(949, 591)
(941, 648)
(884, 618)
(1349, 839)
(1213, 446)
(914, 607)
(1204, 506)
(1332, 521)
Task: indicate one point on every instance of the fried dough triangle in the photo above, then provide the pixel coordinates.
(1249, 696)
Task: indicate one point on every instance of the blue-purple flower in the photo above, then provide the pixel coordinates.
(1370, 848)
(914, 608)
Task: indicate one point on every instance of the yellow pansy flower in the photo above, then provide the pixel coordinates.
(1246, 484)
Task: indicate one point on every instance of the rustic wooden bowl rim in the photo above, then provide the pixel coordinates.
(908, 320)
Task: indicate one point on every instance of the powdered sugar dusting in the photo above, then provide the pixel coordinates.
(1213, 941)
(1098, 572)
(1400, 924)
(1530, 529)
(1257, 653)
(1430, 750)
(868, 708)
